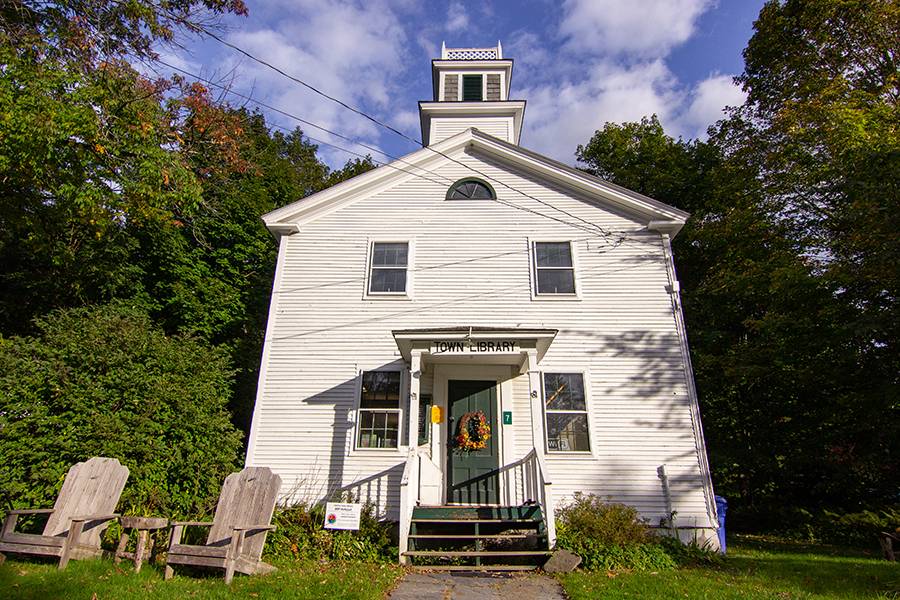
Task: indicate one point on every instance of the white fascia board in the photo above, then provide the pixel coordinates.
(291, 216)
(660, 216)
(501, 108)
(654, 210)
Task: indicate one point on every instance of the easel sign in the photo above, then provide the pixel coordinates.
(340, 515)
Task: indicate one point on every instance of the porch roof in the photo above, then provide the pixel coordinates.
(523, 339)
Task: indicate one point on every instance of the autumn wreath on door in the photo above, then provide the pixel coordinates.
(473, 432)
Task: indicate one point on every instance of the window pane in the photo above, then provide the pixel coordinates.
(388, 280)
(555, 281)
(380, 389)
(471, 190)
(553, 254)
(564, 391)
(389, 255)
(383, 430)
(471, 87)
(567, 432)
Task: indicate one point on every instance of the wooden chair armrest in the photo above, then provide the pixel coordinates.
(31, 511)
(190, 524)
(255, 528)
(83, 518)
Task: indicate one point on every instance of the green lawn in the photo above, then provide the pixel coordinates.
(754, 569)
(103, 580)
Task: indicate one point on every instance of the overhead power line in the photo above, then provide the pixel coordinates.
(362, 113)
(584, 224)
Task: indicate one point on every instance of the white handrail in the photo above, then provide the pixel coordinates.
(546, 495)
(409, 495)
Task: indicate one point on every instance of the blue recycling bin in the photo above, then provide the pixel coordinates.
(721, 509)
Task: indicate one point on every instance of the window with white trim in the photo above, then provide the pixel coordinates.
(554, 270)
(387, 267)
(565, 413)
(378, 418)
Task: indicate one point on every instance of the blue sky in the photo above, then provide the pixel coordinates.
(578, 63)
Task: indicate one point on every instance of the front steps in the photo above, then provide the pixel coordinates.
(507, 538)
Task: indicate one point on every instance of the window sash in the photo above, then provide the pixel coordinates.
(373, 436)
(573, 437)
(547, 280)
(388, 274)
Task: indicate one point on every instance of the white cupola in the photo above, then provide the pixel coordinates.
(471, 89)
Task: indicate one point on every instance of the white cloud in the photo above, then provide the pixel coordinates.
(562, 116)
(353, 52)
(709, 99)
(643, 28)
(457, 17)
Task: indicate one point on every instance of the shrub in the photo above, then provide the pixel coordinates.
(300, 534)
(856, 529)
(107, 382)
(611, 537)
(610, 524)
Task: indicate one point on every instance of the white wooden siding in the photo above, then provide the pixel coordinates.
(499, 127)
(472, 269)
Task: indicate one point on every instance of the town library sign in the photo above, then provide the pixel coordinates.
(475, 347)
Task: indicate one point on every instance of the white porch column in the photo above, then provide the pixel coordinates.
(415, 374)
(537, 409)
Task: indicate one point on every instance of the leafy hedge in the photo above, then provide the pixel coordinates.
(104, 381)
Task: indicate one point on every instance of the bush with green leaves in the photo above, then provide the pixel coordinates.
(300, 534)
(609, 536)
(105, 381)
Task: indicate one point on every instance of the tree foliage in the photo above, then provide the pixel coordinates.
(776, 364)
(107, 382)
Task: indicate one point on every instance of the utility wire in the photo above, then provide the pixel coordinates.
(307, 85)
(590, 228)
(393, 130)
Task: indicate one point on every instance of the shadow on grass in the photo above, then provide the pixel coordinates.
(757, 570)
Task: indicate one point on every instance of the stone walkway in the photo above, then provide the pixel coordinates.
(462, 585)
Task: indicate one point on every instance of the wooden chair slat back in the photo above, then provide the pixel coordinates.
(247, 498)
(92, 487)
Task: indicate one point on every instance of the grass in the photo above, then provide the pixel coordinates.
(102, 580)
(756, 568)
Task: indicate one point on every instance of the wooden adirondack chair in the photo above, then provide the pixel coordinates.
(238, 530)
(83, 509)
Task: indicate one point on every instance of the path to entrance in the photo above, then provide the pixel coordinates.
(477, 586)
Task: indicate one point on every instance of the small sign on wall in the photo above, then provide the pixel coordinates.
(340, 515)
(507, 417)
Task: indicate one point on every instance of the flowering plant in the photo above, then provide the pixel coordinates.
(473, 432)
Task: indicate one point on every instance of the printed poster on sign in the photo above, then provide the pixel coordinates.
(340, 515)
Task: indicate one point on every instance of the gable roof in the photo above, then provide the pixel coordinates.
(658, 215)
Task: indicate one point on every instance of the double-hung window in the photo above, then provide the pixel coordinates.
(387, 268)
(554, 270)
(565, 411)
(378, 421)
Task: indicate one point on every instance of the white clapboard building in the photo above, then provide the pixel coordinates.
(477, 286)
